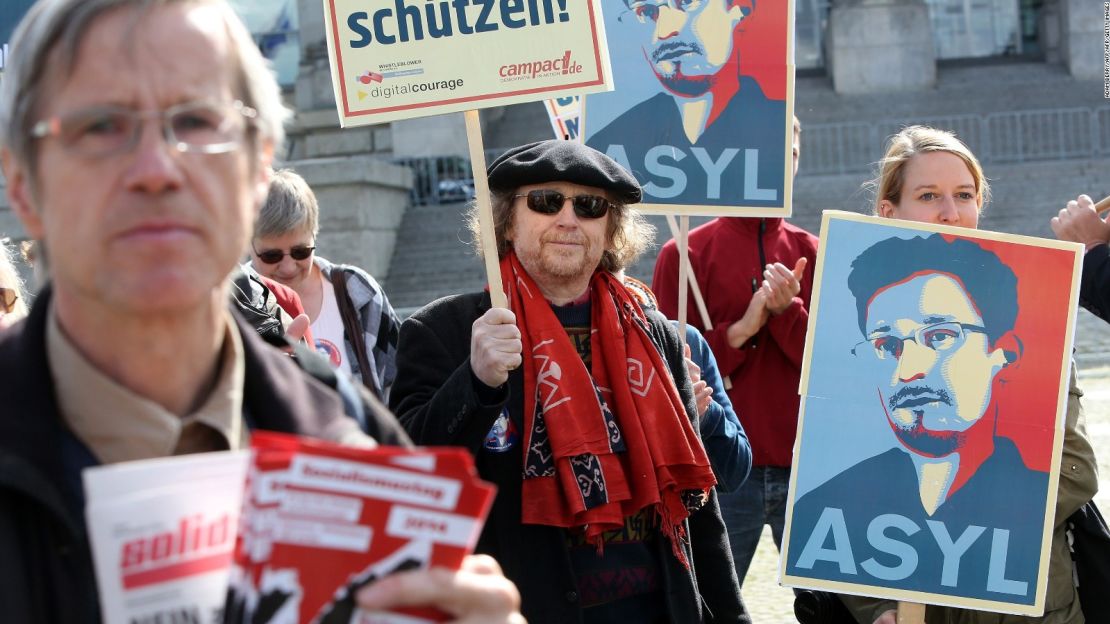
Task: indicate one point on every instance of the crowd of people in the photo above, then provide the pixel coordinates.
(635, 468)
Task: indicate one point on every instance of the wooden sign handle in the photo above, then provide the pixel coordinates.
(683, 242)
(683, 274)
(911, 613)
(485, 209)
(699, 301)
(1103, 205)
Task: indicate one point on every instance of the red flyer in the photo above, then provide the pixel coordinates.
(320, 521)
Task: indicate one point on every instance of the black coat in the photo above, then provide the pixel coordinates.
(1094, 287)
(46, 572)
(435, 399)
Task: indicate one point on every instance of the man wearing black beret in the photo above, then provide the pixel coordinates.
(605, 509)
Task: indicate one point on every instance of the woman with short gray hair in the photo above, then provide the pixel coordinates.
(341, 301)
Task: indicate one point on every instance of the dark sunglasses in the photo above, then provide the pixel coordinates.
(550, 202)
(274, 256)
(8, 299)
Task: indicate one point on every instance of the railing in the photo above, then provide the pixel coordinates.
(439, 179)
(443, 179)
(1005, 137)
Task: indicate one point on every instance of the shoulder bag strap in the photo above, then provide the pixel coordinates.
(352, 327)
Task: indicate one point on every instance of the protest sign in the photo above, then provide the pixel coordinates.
(162, 533)
(565, 116)
(702, 111)
(934, 386)
(397, 59)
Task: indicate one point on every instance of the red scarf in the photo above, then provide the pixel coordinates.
(601, 447)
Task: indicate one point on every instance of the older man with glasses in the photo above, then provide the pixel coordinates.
(576, 404)
(136, 138)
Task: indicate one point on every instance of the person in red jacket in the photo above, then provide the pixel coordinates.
(757, 277)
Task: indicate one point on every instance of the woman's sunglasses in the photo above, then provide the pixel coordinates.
(274, 256)
(550, 202)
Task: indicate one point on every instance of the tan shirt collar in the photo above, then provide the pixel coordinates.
(119, 425)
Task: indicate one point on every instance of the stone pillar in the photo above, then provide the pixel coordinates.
(881, 46)
(1081, 37)
(362, 200)
(317, 125)
(362, 195)
(313, 89)
(439, 135)
(1049, 31)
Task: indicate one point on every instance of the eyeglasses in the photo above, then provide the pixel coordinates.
(7, 300)
(938, 337)
(99, 131)
(545, 201)
(274, 256)
(648, 10)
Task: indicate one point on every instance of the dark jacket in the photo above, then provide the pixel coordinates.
(435, 398)
(46, 572)
(725, 442)
(1094, 287)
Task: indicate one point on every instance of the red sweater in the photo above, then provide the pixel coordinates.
(290, 301)
(726, 257)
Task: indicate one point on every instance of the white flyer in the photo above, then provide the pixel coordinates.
(162, 533)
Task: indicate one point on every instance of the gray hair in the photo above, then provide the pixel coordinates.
(290, 206)
(62, 24)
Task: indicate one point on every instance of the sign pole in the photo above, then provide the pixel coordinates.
(699, 301)
(485, 209)
(683, 274)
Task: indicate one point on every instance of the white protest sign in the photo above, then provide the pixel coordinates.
(397, 59)
(162, 533)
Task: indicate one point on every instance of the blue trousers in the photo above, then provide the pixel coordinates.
(761, 500)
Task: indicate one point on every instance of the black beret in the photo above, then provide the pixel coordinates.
(562, 161)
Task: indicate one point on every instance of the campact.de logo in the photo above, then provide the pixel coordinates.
(540, 68)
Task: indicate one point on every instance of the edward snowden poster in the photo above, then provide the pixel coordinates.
(934, 387)
(702, 107)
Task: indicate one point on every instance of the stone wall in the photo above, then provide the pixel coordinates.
(1081, 37)
(362, 200)
(879, 46)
